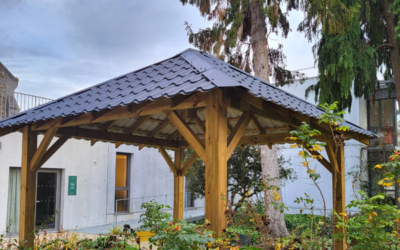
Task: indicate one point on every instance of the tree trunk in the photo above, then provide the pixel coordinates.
(269, 157)
(394, 51)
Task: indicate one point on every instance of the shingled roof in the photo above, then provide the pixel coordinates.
(185, 73)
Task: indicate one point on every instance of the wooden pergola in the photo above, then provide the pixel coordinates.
(208, 112)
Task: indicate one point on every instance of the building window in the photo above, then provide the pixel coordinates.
(122, 181)
(382, 120)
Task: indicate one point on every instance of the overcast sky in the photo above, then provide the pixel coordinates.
(56, 47)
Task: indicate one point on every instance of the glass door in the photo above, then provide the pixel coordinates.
(47, 200)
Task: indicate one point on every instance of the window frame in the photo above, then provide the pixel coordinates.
(128, 183)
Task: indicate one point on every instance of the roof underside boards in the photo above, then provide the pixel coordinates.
(185, 73)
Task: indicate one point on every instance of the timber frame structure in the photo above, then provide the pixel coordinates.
(192, 100)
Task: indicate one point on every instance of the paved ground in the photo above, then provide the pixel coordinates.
(190, 214)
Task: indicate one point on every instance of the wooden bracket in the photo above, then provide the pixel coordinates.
(53, 148)
(189, 163)
(167, 158)
(322, 160)
(237, 132)
(41, 151)
(192, 139)
(257, 125)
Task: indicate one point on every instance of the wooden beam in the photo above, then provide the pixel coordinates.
(92, 142)
(9, 130)
(108, 125)
(189, 163)
(276, 112)
(237, 132)
(135, 126)
(167, 158)
(180, 99)
(322, 160)
(53, 148)
(179, 188)
(28, 188)
(41, 151)
(118, 144)
(330, 151)
(216, 161)
(160, 127)
(187, 133)
(272, 138)
(89, 134)
(339, 196)
(132, 110)
(200, 124)
(256, 124)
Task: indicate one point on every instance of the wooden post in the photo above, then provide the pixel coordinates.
(178, 185)
(216, 161)
(339, 202)
(28, 188)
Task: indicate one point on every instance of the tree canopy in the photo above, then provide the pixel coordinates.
(229, 38)
(353, 45)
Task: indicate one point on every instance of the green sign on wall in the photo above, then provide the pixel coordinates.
(72, 185)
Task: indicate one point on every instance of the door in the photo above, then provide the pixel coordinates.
(47, 200)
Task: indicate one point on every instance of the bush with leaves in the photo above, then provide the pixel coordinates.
(154, 218)
(182, 236)
(376, 226)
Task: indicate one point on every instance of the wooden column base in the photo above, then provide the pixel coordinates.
(178, 197)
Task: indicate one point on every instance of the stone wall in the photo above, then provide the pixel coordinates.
(3, 100)
(8, 84)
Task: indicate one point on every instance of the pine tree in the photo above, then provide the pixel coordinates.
(355, 41)
(239, 35)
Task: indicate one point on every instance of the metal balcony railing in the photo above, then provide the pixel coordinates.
(11, 105)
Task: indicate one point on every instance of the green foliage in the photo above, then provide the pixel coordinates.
(376, 226)
(300, 224)
(154, 218)
(116, 230)
(351, 47)
(182, 236)
(244, 174)
(229, 38)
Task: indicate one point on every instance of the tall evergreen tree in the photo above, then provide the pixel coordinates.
(239, 35)
(355, 41)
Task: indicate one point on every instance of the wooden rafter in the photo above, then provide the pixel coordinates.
(118, 144)
(191, 138)
(53, 149)
(89, 134)
(168, 159)
(133, 110)
(92, 142)
(160, 127)
(41, 151)
(135, 126)
(108, 125)
(238, 131)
